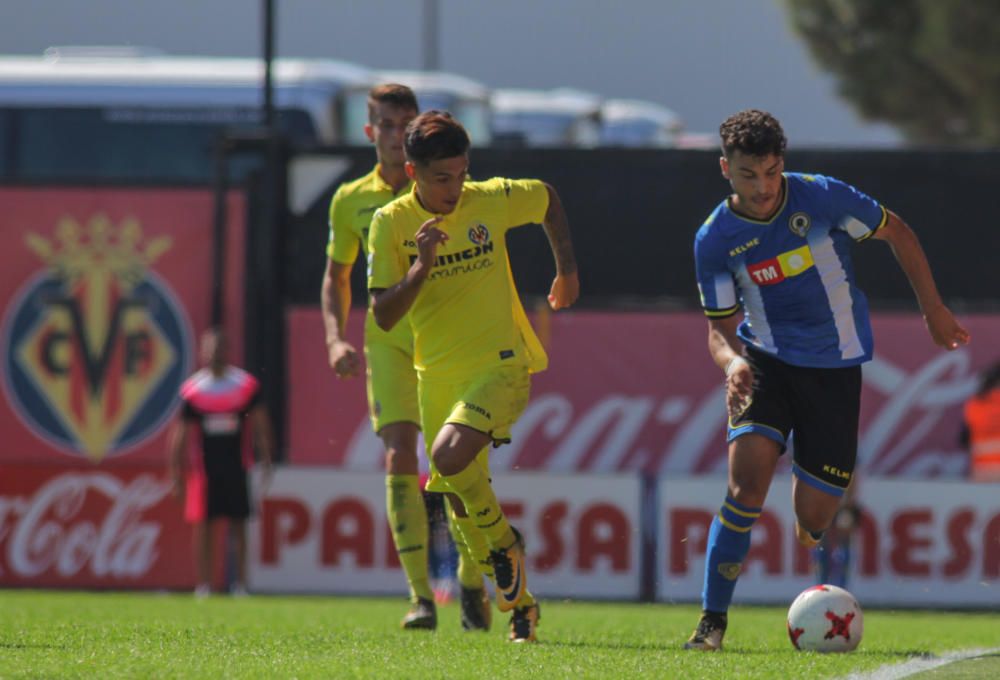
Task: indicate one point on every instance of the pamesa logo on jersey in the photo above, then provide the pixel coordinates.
(96, 346)
(479, 234)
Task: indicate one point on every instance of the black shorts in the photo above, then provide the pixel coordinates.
(227, 495)
(819, 407)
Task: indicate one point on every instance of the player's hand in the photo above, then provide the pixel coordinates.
(344, 359)
(266, 477)
(739, 387)
(945, 329)
(565, 290)
(428, 237)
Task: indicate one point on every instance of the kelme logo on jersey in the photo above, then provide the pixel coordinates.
(799, 223)
(777, 269)
(479, 234)
(96, 344)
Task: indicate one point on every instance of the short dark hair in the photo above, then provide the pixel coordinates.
(434, 135)
(753, 133)
(393, 94)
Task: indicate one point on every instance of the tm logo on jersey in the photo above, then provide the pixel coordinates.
(96, 345)
(777, 269)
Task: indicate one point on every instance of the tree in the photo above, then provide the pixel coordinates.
(929, 67)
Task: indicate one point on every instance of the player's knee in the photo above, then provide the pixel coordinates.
(748, 493)
(814, 519)
(399, 461)
(446, 462)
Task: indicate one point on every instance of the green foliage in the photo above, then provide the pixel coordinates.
(118, 635)
(930, 67)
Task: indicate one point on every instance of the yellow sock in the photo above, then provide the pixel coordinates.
(404, 503)
(481, 504)
(473, 550)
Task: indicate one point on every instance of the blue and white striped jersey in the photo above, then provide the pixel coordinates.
(793, 274)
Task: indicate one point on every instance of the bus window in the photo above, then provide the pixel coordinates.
(355, 117)
(6, 137)
(560, 117)
(636, 123)
(466, 99)
(103, 113)
(132, 142)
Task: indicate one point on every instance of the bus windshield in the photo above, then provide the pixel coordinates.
(129, 142)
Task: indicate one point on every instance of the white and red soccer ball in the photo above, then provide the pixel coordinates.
(825, 618)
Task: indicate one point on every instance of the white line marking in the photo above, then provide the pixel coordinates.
(914, 666)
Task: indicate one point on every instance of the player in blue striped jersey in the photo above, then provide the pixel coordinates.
(778, 248)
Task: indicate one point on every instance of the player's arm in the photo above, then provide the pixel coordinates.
(335, 293)
(566, 285)
(389, 305)
(263, 434)
(335, 301)
(944, 329)
(176, 446)
(725, 347)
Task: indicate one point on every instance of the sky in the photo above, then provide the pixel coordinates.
(702, 58)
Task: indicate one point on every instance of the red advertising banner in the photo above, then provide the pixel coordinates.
(638, 392)
(324, 530)
(104, 292)
(918, 543)
(87, 527)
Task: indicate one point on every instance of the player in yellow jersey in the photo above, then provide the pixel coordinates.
(438, 256)
(391, 378)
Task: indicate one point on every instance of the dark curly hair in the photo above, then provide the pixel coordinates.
(752, 133)
(434, 135)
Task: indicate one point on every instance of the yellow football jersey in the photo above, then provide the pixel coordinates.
(468, 315)
(351, 212)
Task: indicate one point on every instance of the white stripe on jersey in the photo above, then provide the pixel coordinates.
(854, 227)
(753, 308)
(725, 291)
(838, 292)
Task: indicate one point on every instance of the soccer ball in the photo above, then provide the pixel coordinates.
(825, 619)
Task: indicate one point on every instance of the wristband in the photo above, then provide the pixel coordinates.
(729, 366)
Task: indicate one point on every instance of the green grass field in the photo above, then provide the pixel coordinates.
(70, 634)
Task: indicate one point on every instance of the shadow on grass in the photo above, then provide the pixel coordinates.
(31, 645)
(902, 653)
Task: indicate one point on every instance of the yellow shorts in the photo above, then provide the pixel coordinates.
(490, 402)
(391, 381)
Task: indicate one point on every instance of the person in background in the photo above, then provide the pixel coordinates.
(981, 427)
(219, 401)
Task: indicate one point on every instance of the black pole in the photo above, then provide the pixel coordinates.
(268, 58)
(220, 187)
(265, 339)
(432, 60)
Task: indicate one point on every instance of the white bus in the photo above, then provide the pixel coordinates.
(466, 99)
(123, 112)
(562, 117)
(638, 123)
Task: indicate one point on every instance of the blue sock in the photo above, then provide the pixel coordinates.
(728, 543)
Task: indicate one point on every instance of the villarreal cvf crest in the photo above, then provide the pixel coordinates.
(96, 345)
